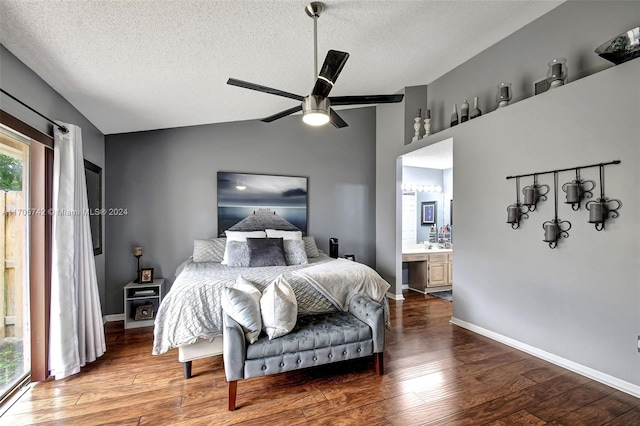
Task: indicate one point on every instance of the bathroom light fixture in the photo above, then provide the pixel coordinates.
(516, 211)
(553, 229)
(600, 210)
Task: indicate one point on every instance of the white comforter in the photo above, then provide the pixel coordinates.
(191, 310)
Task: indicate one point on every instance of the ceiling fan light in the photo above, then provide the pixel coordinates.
(315, 118)
(315, 110)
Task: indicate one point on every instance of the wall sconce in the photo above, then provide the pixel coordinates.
(555, 228)
(504, 94)
(516, 211)
(576, 191)
(137, 252)
(557, 74)
(534, 193)
(600, 209)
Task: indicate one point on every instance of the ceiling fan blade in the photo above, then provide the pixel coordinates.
(282, 114)
(265, 89)
(333, 64)
(336, 120)
(365, 99)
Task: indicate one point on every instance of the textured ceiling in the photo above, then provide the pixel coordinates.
(139, 65)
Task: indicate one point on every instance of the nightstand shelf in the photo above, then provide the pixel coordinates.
(143, 299)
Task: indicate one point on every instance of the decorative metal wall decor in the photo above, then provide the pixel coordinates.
(600, 210)
(555, 228)
(576, 191)
(534, 193)
(516, 211)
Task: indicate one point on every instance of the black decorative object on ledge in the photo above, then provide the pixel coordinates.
(600, 210)
(622, 48)
(553, 229)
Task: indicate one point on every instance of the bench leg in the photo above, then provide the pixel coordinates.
(186, 369)
(233, 388)
(379, 360)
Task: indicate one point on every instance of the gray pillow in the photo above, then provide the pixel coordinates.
(209, 250)
(238, 254)
(266, 252)
(295, 253)
(310, 247)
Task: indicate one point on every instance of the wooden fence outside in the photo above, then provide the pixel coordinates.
(12, 248)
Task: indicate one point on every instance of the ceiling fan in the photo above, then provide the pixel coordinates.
(316, 107)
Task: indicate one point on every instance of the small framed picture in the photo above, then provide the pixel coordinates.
(146, 275)
(350, 257)
(429, 212)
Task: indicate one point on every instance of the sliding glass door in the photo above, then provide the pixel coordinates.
(14, 254)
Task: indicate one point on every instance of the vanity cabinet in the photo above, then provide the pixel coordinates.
(429, 271)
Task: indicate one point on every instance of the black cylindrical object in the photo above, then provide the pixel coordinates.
(333, 247)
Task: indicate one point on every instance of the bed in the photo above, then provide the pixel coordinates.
(190, 316)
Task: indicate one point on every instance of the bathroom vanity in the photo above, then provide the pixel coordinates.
(429, 269)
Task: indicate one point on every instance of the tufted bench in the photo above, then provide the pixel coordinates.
(316, 340)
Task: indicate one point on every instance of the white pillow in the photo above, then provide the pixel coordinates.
(279, 308)
(240, 236)
(285, 235)
(241, 301)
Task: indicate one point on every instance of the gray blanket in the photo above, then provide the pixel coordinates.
(192, 311)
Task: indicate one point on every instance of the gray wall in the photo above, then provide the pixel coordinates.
(580, 301)
(19, 80)
(572, 30)
(167, 181)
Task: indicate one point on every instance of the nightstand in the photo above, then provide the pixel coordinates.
(141, 303)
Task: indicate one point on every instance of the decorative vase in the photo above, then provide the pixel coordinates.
(464, 111)
(503, 96)
(557, 73)
(475, 112)
(416, 128)
(427, 124)
(454, 115)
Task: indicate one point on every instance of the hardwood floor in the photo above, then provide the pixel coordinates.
(435, 374)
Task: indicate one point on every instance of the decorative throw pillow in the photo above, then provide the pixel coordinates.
(310, 247)
(279, 308)
(240, 236)
(209, 250)
(295, 253)
(241, 301)
(266, 252)
(238, 254)
(285, 235)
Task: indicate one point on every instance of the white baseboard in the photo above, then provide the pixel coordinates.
(395, 296)
(589, 372)
(113, 317)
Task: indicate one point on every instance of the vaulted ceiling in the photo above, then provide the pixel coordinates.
(139, 65)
